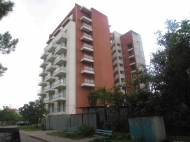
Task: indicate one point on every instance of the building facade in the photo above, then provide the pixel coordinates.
(127, 56)
(77, 58)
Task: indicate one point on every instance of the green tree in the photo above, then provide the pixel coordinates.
(7, 44)
(33, 111)
(10, 116)
(171, 63)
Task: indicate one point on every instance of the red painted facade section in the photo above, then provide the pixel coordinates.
(127, 39)
(102, 52)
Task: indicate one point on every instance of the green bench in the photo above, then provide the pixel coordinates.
(71, 130)
(103, 134)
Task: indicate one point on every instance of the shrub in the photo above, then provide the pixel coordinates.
(120, 125)
(85, 130)
(107, 125)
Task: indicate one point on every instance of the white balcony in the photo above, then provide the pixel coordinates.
(57, 31)
(50, 39)
(43, 73)
(46, 100)
(87, 47)
(43, 64)
(61, 38)
(51, 57)
(130, 49)
(87, 37)
(87, 70)
(49, 78)
(86, 28)
(59, 97)
(88, 83)
(60, 60)
(60, 49)
(59, 84)
(131, 56)
(59, 71)
(50, 67)
(84, 9)
(42, 82)
(48, 89)
(86, 19)
(132, 63)
(87, 58)
(44, 55)
(51, 47)
(41, 92)
(133, 71)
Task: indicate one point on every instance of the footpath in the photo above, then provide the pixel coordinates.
(42, 135)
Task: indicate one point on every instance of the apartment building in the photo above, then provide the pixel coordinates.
(127, 55)
(77, 58)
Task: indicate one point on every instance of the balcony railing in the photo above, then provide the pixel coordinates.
(58, 82)
(58, 69)
(47, 87)
(88, 56)
(87, 35)
(46, 99)
(60, 46)
(58, 95)
(88, 45)
(49, 65)
(88, 68)
(61, 56)
(40, 91)
(90, 81)
(87, 25)
(47, 76)
(49, 56)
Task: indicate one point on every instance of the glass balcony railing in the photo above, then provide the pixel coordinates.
(87, 25)
(58, 69)
(58, 47)
(58, 82)
(88, 45)
(46, 99)
(61, 56)
(58, 95)
(90, 81)
(88, 68)
(47, 76)
(47, 87)
(88, 57)
(87, 35)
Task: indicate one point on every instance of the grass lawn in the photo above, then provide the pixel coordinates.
(63, 134)
(29, 128)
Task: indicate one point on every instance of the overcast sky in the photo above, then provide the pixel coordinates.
(33, 20)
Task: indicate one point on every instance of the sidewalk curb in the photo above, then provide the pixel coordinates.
(35, 137)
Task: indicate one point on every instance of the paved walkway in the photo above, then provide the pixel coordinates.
(42, 135)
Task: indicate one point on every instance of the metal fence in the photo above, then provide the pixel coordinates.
(93, 119)
(62, 122)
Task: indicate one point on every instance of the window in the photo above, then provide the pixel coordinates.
(130, 45)
(118, 44)
(127, 75)
(126, 68)
(115, 73)
(113, 45)
(121, 72)
(124, 54)
(125, 61)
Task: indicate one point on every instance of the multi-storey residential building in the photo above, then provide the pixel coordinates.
(76, 59)
(127, 55)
